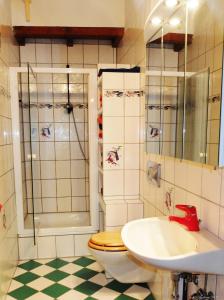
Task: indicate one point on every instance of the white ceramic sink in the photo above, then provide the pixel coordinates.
(167, 245)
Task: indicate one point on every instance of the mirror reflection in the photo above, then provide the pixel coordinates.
(183, 84)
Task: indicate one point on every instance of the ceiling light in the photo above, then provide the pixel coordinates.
(192, 4)
(171, 3)
(156, 21)
(174, 22)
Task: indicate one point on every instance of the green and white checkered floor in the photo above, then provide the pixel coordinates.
(73, 278)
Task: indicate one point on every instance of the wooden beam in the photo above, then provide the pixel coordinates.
(114, 34)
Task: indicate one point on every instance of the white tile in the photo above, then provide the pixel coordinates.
(131, 81)
(132, 130)
(180, 173)
(62, 132)
(91, 54)
(27, 53)
(221, 225)
(27, 250)
(137, 292)
(75, 54)
(106, 54)
(113, 129)
(113, 106)
(78, 187)
(63, 187)
(49, 204)
(79, 203)
(40, 296)
(131, 156)
(210, 216)
(106, 294)
(72, 294)
(40, 284)
(62, 150)
(78, 168)
(211, 185)
(132, 106)
(194, 179)
(113, 183)
(43, 269)
(65, 246)
(59, 53)
(47, 151)
(48, 170)
(64, 204)
(116, 214)
(169, 169)
(131, 185)
(63, 169)
(113, 81)
(48, 188)
(46, 247)
(135, 211)
(113, 156)
(81, 244)
(43, 53)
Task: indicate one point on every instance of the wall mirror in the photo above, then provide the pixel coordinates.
(184, 66)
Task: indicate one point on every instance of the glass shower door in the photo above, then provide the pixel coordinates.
(32, 134)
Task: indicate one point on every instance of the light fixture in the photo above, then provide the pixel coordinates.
(171, 3)
(192, 4)
(27, 9)
(156, 21)
(174, 22)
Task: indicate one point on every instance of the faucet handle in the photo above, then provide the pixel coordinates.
(189, 209)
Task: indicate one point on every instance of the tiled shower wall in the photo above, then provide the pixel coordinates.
(59, 170)
(190, 183)
(9, 56)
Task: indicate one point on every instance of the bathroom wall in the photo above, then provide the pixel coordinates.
(9, 56)
(190, 183)
(60, 173)
(84, 13)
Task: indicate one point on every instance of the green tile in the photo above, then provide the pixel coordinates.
(125, 297)
(88, 288)
(90, 298)
(30, 265)
(118, 287)
(86, 273)
(83, 261)
(55, 290)
(26, 277)
(56, 275)
(23, 292)
(57, 263)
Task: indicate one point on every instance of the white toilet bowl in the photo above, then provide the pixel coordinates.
(109, 251)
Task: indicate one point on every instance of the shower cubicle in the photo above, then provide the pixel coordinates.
(54, 115)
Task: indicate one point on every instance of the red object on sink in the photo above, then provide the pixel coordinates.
(190, 221)
(1, 207)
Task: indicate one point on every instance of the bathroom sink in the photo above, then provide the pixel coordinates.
(168, 245)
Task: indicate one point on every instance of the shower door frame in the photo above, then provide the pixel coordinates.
(93, 146)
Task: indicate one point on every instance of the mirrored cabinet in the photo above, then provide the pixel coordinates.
(183, 89)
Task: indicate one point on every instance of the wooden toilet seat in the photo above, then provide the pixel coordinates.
(107, 241)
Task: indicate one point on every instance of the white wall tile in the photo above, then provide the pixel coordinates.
(113, 130)
(59, 53)
(210, 216)
(106, 54)
(132, 132)
(46, 247)
(113, 81)
(135, 211)
(116, 214)
(194, 179)
(81, 244)
(27, 250)
(131, 185)
(131, 156)
(43, 52)
(211, 185)
(113, 183)
(113, 106)
(65, 246)
(131, 81)
(27, 53)
(132, 106)
(91, 54)
(113, 156)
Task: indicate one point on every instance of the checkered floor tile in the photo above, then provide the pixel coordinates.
(75, 279)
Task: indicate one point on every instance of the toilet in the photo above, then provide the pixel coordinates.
(108, 249)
